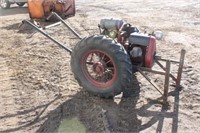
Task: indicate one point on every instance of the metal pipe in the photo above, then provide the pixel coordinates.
(153, 71)
(172, 76)
(148, 79)
(161, 59)
(70, 28)
(180, 69)
(45, 34)
(166, 85)
(51, 25)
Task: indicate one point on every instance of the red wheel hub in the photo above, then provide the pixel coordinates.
(98, 68)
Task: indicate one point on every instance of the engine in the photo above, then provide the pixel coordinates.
(142, 49)
(140, 46)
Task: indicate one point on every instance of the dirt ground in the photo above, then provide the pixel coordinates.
(38, 92)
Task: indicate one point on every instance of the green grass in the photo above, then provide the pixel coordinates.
(71, 126)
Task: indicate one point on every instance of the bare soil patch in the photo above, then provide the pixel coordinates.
(38, 92)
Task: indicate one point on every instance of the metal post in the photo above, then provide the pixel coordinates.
(166, 85)
(180, 69)
(52, 25)
(172, 76)
(150, 81)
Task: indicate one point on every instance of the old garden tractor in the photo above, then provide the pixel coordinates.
(103, 64)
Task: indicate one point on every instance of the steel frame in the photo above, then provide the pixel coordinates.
(166, 72)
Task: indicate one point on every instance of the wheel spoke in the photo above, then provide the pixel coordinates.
(99, 68)
(91, 57)
(110, 72)
(110, 68)
(96, 77)
(108, 61)
(96, 57)
(102, 57)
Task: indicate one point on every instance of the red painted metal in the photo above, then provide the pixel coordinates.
(96, 64)
(150, 52)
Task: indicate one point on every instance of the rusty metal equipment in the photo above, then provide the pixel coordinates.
(103, 64)
(41, 9)
(166, 73)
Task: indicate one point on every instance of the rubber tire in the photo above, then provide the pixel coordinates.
(119, 56)
(20, 4)
(7, 4)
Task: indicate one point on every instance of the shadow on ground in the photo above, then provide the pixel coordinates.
(92, 114)
(86, 113)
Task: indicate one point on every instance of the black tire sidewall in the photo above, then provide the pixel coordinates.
(106, 48)
(20, 4)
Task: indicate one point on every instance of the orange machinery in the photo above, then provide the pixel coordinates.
(41, 9)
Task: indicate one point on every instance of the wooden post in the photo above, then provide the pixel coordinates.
(166, 85)
(180, 69)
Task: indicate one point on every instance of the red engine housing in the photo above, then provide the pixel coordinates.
(150, 52)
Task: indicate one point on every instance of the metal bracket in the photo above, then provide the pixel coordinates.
(166, 73)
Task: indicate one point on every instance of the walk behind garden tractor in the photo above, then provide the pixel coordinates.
(103, 64)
